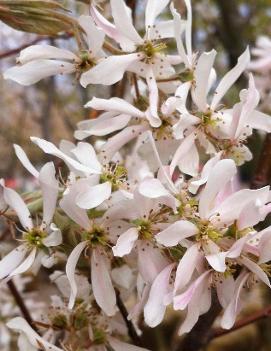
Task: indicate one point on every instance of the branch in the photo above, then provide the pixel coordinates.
(33, 42)
(263, 172)
(255, 317)
(20, 302)
(129, 324)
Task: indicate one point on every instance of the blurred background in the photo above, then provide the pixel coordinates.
(51, 108)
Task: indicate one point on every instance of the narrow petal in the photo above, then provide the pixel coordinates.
(86, 155)
(181, 301)
(115, 105)
(37, 52)
(261, 121)
(12, 260)
(233, 308)
(54, 238)
(102, 286)
(110, 70)
(154, 189)
(186, 267)
(49, 188)
(153, 9)
(155, 308)
(25, 161)
(15, 201)
(176, 232)
(151, 113)
(221, 174)
(202, 73)
(19, 324)
(25, 265)
(51, 149)
(95, 36)
(125, 242)
(70, 270)
(93, 196)
(228, 80)
(256, 269)
(34, 71)
(123, 21)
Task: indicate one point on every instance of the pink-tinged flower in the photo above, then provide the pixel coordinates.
(215, 215)
(38, 240)
(29, 339)
(40, 61)
(262, 52)
(207, 122)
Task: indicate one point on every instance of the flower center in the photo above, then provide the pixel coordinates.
(86, 61)
(96, 236)
(207, 231)
(150, 48)
(35, 237)
(144, 228)
(115, 174)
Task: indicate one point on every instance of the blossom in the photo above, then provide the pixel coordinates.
(38, 240)
(40, 61)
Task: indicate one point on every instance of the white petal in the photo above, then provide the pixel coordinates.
(181, 301)
(26, 264)
(151, 113)
(256, 269)
(150, 261)
(15, 201)
(12, 260)
(189, 163)
(32, 72)
(233, 308)
(49, 188)
(229, 78)
(123, 21)
(261, 121)
(186, 267)
(70, 270)
(123, 346)
(51, 149)
(221, 174)
(182, 150)
(36, 52)
(110, 70)
(116, 105)
(155, 308)
(154, 189)
(202, 73)
(95, 36)
(54, 238)
(125, 242)
(19, 324)
(93, 196)
(116, 142)
(153, 9)
(176, 232)
(103, 289)
(25, 161)
(188, 29)
(86, 155)
(103, 127)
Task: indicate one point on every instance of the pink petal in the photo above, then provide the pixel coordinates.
(125, 242)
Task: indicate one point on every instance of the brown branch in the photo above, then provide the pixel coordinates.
(20, 302)
(129, 324)
(255, 317)
(15, 51)
(262, 175)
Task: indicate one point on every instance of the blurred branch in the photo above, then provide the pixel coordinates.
(33, 42)
(263, 172)
(20, 302)
(129, 324)
(255, 317)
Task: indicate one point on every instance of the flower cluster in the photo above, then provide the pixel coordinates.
(147, 203)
